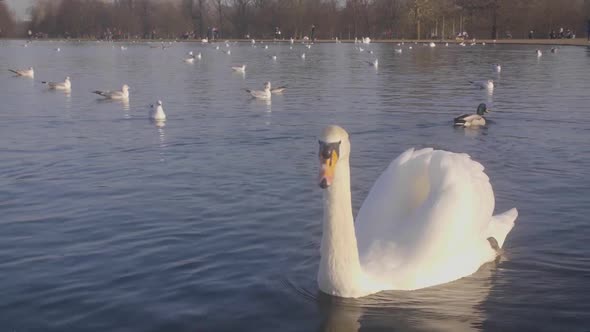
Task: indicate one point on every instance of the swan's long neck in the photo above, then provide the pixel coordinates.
(340, 271)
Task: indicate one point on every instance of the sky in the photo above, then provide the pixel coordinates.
(19, 7)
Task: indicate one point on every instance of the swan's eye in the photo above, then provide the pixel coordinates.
(327, 149)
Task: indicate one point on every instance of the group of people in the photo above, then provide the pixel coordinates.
(562, 34)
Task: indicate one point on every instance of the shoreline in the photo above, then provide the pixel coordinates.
(555, 42)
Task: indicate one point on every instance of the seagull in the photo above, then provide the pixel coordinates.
(303, 56)
(398, 51)
(23, 72)
(217, 47)
(123, 48)
(291, 40)
(374, 63)
(361, 49)
(497, 67)
(554, 50)
(487, 84)
(278, 90)
(410, 47)
(253, 41)
(539, 53)
(239, 69)
(264, 94)
(308, 46)
(274, 57)
(191, 57)
(446, 44)
(228, 52)
(58, 49)
(119, 95)
(65, 85)
(266, 47)
(432, 44)
(199, 56)
(157, 112)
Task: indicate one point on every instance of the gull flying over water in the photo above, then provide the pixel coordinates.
(264, 94)
(23, 72)
(118, 95)
(66, 85)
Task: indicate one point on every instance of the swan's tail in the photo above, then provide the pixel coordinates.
(500, 226)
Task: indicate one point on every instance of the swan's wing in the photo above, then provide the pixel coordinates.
(427, 219)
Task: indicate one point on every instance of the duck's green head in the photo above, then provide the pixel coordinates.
(482, 109)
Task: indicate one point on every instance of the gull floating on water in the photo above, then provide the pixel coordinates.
(118, 95)
(23, 72)
(487, 84)
(264, 94)
(374, 63)
(157, 112)
(303, 56)
(191, 57)
(432, 44)
(554, 50)
(539, 53)
(398, 50)
(239, 69)
(64, 86)
(497, 67)
(58, 49)
(228, 52)
(446, 44)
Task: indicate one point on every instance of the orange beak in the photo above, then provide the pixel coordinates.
(328, 166)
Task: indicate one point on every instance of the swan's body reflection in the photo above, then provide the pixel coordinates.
(450, 307)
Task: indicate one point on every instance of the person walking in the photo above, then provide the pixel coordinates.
(588, 30)
(313, 33)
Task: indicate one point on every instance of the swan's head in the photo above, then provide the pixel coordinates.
(334, 146)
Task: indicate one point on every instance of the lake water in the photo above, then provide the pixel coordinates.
(213, 222)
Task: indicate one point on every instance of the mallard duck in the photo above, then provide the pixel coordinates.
(472, 120)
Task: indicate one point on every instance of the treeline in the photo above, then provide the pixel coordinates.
(7, 23)
(378, 19)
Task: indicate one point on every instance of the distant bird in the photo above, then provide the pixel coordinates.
(191, 57)
(371, 52)
(497, 67)
(291, 40)
(58, 49)
(116, 95)
(228, 52)
(554, 50)
(157, 112)
(266, 47)
(303, 56)
(487, 84)
(410, 47)
(123, 48)
(23, 72)
(273, 57)
(432, 44)
(63, 86)
(264, 94)
(374, 63)
(308, 46)
(446, 44)
(199, 56)
(472, 120)
(361, 49)
(398, 50)
(539, 53)
(278, 90)
(217, 47)
(253, 41)
(483, 43)
(239, 69)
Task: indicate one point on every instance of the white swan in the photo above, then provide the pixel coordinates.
(426, 221)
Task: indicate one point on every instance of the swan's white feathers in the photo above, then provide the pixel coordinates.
(426, 219)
